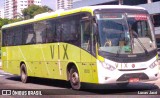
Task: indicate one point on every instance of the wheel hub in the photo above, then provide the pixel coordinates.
(75, 78)
(23, 75)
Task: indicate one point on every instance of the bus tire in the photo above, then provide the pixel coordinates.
(74, 78)
(24, 76)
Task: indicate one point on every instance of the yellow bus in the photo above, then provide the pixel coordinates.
(94, 44)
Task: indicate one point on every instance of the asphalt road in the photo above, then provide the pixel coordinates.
(62, 88)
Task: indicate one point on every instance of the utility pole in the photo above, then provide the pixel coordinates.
(120, 2)
(149, 1)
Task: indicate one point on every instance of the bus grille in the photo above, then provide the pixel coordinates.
(126, 77)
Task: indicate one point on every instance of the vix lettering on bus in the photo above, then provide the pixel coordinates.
(65, 52)
(65, 55)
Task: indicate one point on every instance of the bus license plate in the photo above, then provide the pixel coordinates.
(134, 80)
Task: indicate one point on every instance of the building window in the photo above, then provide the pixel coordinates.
(156, 20)
(155, 0)
(110, 3)
(134, 2)
(158, 41)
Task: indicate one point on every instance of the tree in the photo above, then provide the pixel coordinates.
(33, 10)
(7, 21)
(48, 9)
(3, 22)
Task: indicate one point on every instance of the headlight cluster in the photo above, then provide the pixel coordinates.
(108, 66)
(154, 64)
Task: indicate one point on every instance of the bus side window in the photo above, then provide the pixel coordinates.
(10, 37)
(51, 31)
(4, 38)
(18, 36)
(67, 29)
(58, 31)
(86, 35)
(29, 35)
(40, 31)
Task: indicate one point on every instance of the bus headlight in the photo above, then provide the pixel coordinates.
(154, 64)
(108, 66)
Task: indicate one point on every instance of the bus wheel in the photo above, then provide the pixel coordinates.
(74, 78)
(24, 77)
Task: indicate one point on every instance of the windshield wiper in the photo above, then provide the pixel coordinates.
(144, 48)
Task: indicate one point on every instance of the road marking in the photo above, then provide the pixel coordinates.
(7, 74)
(2, 73)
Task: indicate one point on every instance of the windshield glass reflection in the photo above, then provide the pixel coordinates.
(122, 33)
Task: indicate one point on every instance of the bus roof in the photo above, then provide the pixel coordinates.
(90, 9)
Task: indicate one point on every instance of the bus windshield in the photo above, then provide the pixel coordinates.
(125, 33)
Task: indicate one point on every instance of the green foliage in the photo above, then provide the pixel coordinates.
(29, 12)
(33, 10)
(7, 21)
(3, 22)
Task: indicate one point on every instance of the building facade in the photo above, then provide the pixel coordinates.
(13, 8)
(64, 4)
(153, 7)
(8, 9)
(2, 13)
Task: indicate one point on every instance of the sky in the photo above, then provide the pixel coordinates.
(50, 3)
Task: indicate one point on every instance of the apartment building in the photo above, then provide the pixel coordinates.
(64, 4)
(2, 13)
(13, 8)
(8, 9)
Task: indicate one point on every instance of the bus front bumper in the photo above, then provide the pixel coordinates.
(117, 76)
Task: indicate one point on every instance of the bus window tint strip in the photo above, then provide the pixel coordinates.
(64, 29)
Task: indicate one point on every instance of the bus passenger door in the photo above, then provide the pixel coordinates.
(86, 57)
